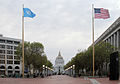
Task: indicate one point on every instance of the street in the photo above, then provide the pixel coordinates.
(58, 79)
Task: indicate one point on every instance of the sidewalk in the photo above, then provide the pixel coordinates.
(107, 81)
(58, 79)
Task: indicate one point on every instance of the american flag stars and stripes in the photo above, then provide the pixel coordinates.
(100, 13)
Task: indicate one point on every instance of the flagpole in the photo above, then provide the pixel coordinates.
(23, 42)
(93, 37)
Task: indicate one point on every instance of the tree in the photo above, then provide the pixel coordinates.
(49, 64)
(84, 59)
(33, 55)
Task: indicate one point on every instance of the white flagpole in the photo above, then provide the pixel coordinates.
(23, 42)
(93, 37)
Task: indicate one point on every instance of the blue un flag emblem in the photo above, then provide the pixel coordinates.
(28, 13)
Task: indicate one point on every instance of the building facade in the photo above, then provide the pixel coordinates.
(9, 63)
(112, 36)
(59, 64)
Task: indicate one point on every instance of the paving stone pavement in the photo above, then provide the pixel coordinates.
(57, 79)
(107, 81)
(94, 81)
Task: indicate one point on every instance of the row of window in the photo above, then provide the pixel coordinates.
(8, 57)
(9, 41)
(9, 67)
(8, 52)
(8, 47)
(9, 62)
(2, 46)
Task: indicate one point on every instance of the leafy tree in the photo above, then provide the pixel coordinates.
(84, 59)
(49, 64)
(33, 55)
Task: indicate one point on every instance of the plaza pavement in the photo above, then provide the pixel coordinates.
(57, 79)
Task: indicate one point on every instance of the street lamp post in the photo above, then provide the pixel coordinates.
(69, 71)
(43, 73)
(46, 71)
(73, 70)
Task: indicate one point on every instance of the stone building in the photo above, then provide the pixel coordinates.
(9, 63)
(112, 36)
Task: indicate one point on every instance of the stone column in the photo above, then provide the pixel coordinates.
(117, 39)
(114, 43)
(111, 40)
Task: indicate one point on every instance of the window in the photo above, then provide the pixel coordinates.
(17, 67)
(16, 57)
(9, 42)
(9, 62)
(9, 57)
(2, 46)
(2, 51)
(9, 52)
(2, 67)
(16, 62)
(2, 56)
(2, 41)
(2, 61)
(9, 67)
(15, 47)
(16, 42)
(9, 47)
(15, 52)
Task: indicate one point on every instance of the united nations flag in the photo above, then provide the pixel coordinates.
(28, 13)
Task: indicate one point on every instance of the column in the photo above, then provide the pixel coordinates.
(117, 39)
(111, 40)
(114, 39)
(107, 40)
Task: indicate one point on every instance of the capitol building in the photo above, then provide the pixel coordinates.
(59, 64)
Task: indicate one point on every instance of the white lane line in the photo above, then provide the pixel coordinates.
(94, 81)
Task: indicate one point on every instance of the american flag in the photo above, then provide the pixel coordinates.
(101, 13)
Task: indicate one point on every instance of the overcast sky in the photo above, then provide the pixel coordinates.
(60, 25)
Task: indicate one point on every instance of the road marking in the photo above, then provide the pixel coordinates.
(94, 81)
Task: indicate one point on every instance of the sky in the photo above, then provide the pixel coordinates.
(60, 25)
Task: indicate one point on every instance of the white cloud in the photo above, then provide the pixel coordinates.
(60, 24)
